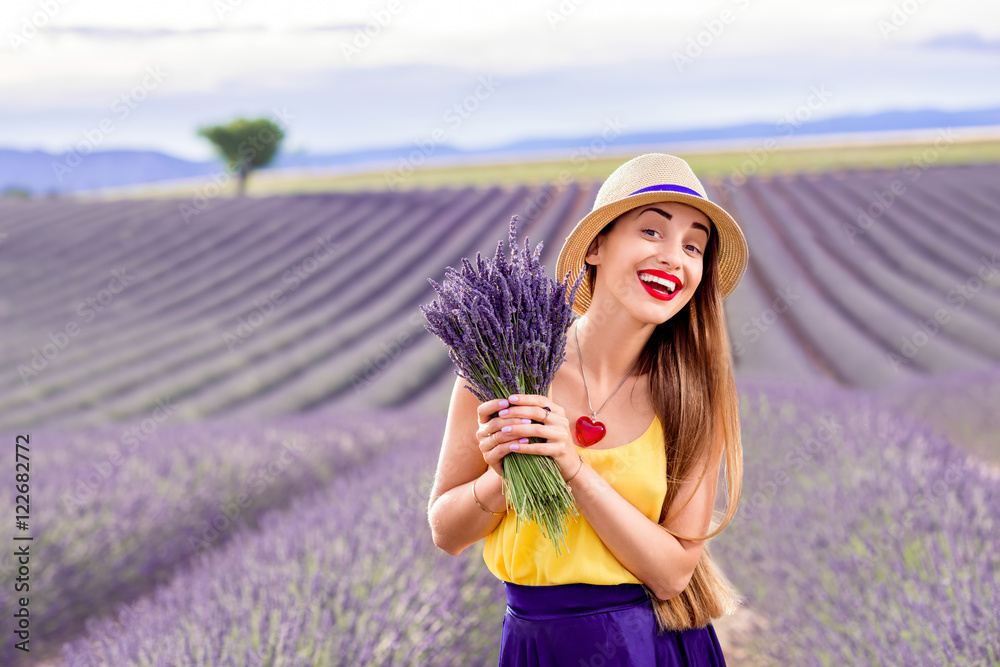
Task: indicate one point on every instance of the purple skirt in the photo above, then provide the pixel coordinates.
(586, 625)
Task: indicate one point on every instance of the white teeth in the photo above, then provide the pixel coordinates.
(670, 285)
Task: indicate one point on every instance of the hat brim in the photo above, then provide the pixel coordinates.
(733, 251)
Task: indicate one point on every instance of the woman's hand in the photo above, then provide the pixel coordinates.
(525, 416)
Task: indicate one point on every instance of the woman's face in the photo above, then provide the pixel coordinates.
(649, 245)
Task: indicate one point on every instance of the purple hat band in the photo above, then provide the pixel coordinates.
(667, 186)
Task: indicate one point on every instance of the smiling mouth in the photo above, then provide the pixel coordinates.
(659, 285)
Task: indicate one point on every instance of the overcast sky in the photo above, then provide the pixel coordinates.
(517, 69)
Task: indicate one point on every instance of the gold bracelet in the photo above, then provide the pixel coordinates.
(577, 470)
(479, 503)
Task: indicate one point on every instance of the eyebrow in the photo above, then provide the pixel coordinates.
(696, 225)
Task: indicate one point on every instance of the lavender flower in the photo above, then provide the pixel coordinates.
(505, 328)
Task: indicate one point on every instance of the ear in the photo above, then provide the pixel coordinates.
(592, 250)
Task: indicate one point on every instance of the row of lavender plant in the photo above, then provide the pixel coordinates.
(300, 338)
(370, 311)
(115, 525)
(802, 304)
(425, 367)
(134, 341)
(885, 301)
(346, 576)
(890, 259)
(863, 537)
(965, 202)
(125, 359)
(139, 235)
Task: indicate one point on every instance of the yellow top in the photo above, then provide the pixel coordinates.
(636, 470)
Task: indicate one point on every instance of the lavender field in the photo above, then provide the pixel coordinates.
(863, 538)
(235, 421)
(287, 304)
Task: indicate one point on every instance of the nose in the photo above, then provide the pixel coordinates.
(670, 256)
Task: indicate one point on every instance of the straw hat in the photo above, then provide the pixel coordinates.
(647, 179)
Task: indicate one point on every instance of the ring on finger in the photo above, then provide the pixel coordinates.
(494, 436)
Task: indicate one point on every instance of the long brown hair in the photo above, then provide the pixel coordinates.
(694, 393)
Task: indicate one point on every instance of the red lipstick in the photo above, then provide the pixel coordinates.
(655, 288)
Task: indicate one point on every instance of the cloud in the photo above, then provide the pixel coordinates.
(962, 41)
(97, 32)
(343, 27)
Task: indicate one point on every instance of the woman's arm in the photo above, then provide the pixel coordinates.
(661, 561)
(455, 519)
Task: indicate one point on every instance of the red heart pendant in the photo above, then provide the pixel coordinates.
(589, 432)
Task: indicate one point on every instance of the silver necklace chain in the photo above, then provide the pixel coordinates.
(580, 354)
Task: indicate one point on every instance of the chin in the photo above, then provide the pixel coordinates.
(656, 315)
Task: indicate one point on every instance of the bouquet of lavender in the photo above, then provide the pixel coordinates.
(505, 328)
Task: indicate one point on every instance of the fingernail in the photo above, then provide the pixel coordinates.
(523, 440)
(513, 398)
(514, 447)
(506, 429)
(504, 403)
(503, 412)
(525, 421)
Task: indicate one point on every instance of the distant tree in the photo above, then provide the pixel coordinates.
(245, 144)
(16, 192)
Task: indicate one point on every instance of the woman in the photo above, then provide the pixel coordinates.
(649, 355)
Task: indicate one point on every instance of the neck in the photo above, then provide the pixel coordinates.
(611, 347)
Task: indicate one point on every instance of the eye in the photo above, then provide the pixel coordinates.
(697, 249)
(649, 230)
